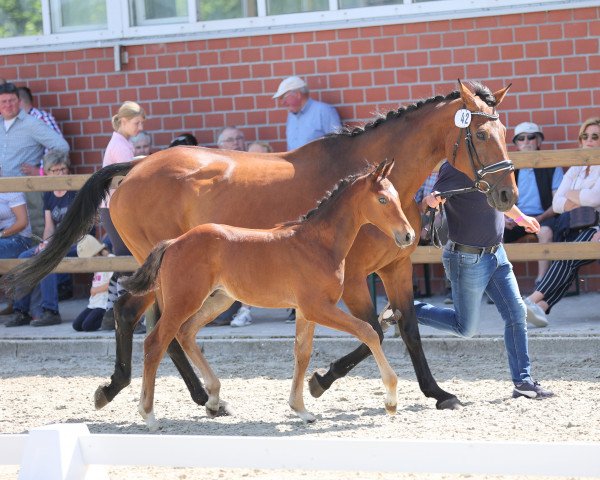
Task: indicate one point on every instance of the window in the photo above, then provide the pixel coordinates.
(152, 12)
(278, 7)
(222, 9)
(20, 18)
(74, 15)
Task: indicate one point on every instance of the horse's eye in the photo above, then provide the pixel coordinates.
(382, 200)
(480, 135)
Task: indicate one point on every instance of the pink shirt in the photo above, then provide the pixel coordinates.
(118, 150)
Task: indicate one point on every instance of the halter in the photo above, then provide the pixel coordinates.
(480, 184)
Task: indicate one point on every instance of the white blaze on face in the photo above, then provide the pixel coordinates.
(392, 190)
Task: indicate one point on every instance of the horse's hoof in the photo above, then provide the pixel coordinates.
(451, 403)
(391, 409)
(306, 416)
(224, 410)
(100, 399)
(314, 387)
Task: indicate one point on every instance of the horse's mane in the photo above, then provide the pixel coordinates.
(329, 197)
(479, 90)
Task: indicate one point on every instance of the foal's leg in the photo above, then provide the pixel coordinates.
(302, 350)
(128, 309)
(331, 316)
(213, 306)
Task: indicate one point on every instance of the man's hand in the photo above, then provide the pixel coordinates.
(30, 170)
(433, 200)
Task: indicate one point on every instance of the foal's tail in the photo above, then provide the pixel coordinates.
(78, 221)
(143, 279)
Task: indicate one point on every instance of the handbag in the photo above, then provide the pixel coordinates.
(582, 217)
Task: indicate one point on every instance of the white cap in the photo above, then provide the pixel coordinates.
(527, 127)
(290, 83)
(88, 246)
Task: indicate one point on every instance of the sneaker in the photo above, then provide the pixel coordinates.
(48, 318)
(291, 318)
(535, 315)
(108, 320)
(242, 318)
(18, 319)
(531, 390)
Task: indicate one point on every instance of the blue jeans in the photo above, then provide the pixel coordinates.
(48, 287)
(470, 276)
(13, 246)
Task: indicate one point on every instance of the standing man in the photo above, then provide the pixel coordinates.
(307, 119)
(475, 262)
(23, 140)
(537, 186)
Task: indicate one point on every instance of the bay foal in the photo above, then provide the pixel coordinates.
(298, 264)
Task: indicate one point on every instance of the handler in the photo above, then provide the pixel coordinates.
(475, 262)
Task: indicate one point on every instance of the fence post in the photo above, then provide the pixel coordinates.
(53, 453)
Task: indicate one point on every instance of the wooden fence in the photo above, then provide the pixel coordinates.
(516, 252)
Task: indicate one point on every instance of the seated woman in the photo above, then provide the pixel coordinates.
(56, 204)
(15, 231)
(580, 187)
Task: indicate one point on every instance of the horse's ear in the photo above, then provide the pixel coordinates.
(467, 97)
(499, 95)
(378, 172)
(388, 168)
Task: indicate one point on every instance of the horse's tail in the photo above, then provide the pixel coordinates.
(78, 221)
(144, 278)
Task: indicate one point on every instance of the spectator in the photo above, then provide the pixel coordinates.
(141, 144)
(536, 189)
(26, 103)
(15, 231)
(580, 187)
(307, 119)
(90, 319)
(24, 139)
(231, 138)
(127, 123)
(184, 139)
(260, 147)
(475, 262)
(56, 204)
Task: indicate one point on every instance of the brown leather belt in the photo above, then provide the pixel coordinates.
(459, 247)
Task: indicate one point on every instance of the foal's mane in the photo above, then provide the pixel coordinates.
(329, 198)
(479, 90)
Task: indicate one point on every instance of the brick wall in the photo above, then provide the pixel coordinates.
(552, 59)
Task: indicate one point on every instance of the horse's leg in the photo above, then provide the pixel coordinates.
(397, 279)
(213, 306)
(331, 316)
(302, 350)
(357, 298)
(128, 309)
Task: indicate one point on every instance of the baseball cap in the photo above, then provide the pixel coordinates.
(89, 246)
(290, 83)
(527, 127)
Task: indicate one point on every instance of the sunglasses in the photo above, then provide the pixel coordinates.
(531, 136)
(593, 136)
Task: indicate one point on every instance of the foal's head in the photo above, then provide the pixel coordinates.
(380, 205)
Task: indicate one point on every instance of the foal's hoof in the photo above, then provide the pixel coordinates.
(451, 403)
(391, 409)
(100, 399)
(224, 410)
(314, 386)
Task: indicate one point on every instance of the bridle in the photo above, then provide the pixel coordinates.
(480, 184)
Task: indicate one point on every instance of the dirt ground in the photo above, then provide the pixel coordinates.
(42, 391)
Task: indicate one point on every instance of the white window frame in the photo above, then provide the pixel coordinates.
(119, 31)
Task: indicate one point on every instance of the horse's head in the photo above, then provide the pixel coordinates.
(477, 146)
(382, 206)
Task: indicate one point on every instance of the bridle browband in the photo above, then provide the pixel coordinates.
(480, 184)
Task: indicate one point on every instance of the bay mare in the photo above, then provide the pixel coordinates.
(172, 191)
(295, 265)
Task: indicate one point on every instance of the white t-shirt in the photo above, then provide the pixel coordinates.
(99, 300)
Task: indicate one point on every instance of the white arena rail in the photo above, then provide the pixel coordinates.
(70, 452)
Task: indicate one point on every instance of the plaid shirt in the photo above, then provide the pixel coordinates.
(426, 188)
(45, 117)
(24, 142)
